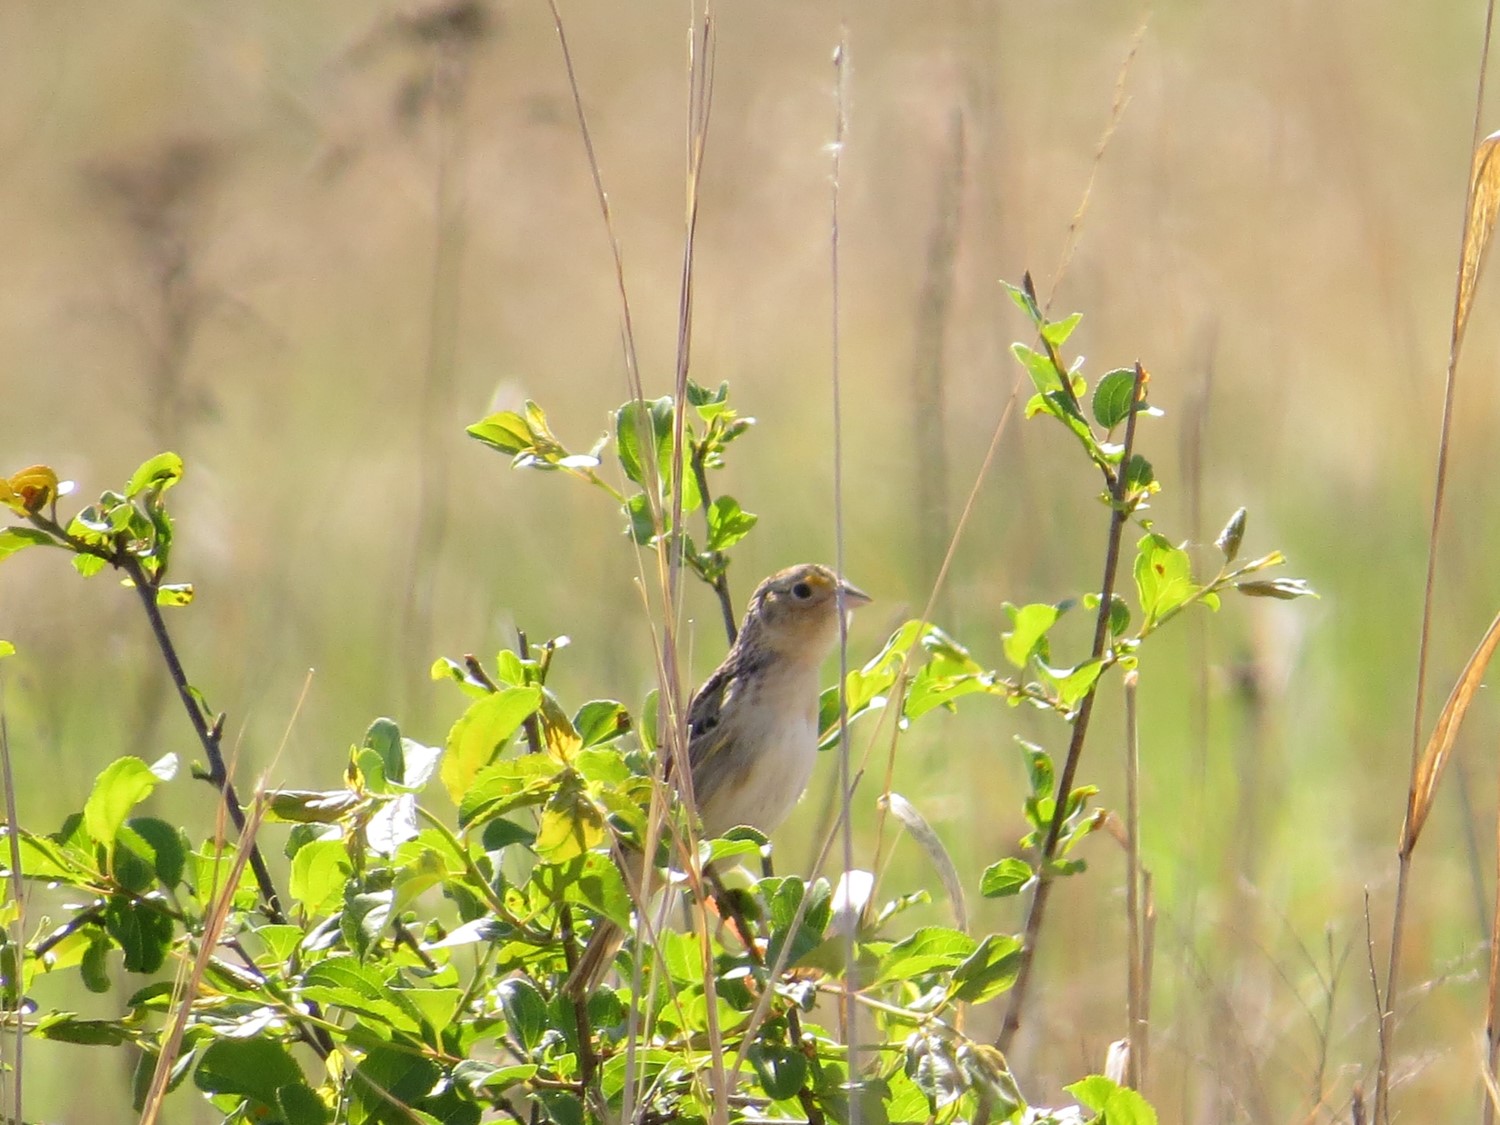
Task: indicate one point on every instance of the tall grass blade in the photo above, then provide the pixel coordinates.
(1439, 748)
(1479, 225)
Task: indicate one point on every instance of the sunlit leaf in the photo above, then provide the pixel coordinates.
(1028, 635)
(728, 523)
(13, 539)
(1112, 397)
(1008, 877)
(158, 474)
(122, 785)
(482, 732)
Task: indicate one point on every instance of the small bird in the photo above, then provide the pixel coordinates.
(753, 725)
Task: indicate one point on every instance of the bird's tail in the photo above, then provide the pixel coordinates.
(597, 957)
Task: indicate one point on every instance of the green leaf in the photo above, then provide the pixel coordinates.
(365, 917)
(142, 929)
(571, 825)
(643, 435)
(384, 738)
(1006, 878)
(13, 539)
(727, 523)
(158, 474)
(641, 523)
(342, 981)
(783, 897)
(392, 1085)
(1285, 589)
(1039, 769)
(1072, 685)
(6, 649)
(483, 1078)
(988, 971)
(702, 399)
(1028, 635)
(1112, 397)
(525, 1011)
(165, 847)
(1115, 1104)
(482, 732)
(300, 1105)
(88, 565)
(508, 784)
(1025, 300)
(247, 1068)
(1056, 333)
(65, 1027)
(593, 879)
(781, 1069)
(930, 949)
(600, 721)
(1044, 374)
(1163, 577)
(123, 784)
(1140, 476)
(94, 968)
(320, 870)
(505, 431)
(174, 593)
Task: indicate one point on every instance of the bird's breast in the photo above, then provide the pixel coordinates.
(767, 766)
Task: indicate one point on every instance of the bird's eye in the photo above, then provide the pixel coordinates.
(802, 591)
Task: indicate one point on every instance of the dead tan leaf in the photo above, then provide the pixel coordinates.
(1479, 225)
(1440, 745)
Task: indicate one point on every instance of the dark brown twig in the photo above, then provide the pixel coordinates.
(1119, 515)
(209, 732)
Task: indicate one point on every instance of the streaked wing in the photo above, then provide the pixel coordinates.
(705, 729)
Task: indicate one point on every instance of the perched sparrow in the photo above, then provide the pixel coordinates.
(753, 726)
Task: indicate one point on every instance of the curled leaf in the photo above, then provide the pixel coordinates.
(1229, 539)
(30, 490)
(1285, 589)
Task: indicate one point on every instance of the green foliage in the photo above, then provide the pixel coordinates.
(437, 897)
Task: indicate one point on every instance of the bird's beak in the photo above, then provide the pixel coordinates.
(854, 597)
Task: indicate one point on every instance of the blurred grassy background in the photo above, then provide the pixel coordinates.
(304, 246)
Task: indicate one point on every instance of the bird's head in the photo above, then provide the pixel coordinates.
(795, 611)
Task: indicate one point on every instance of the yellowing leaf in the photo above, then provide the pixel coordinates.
(571, 825)
(481, 732)
(31, 489)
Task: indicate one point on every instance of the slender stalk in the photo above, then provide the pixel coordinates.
(1135, 1019)
(1492, 1006)
(588, 1061)
(848, 1011)
(1381, 1110)
(1119, 515)
(721, 583)
(209, 734)
(12, 821)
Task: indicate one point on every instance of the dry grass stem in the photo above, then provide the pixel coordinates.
(187, 989)
(1479, 216)
(1439, 749)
